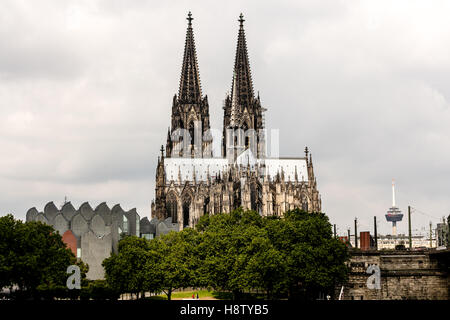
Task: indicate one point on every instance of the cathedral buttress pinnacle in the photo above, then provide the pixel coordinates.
(235, 110)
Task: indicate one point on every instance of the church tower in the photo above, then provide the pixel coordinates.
(189, 133)
(190, 182)
(243, 115)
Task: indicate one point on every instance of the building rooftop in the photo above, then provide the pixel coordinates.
(292, 168)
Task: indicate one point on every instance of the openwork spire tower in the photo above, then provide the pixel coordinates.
(190, 87)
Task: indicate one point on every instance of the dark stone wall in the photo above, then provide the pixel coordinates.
(405, 275)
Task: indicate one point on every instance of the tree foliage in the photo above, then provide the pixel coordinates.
(32, 255)
(126, 271)
(236, 254)
(295, 256)
(177, 260)
(314, 259)
(159, 265)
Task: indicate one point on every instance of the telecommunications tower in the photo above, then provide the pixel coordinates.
(394, 214)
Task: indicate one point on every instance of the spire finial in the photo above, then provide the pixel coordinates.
(189, 18)
(306, 151)
(241, 19)
(162, 151)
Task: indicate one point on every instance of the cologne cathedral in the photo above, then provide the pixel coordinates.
(199, 174)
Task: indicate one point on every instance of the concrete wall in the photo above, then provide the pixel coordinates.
(157, 227)
(94, 250)
(404, 275)
(95, 232)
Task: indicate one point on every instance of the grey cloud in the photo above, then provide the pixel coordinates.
(86, 91)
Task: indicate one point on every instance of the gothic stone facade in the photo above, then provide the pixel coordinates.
(192, 179)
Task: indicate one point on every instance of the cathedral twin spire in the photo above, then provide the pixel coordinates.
(190, 109)
(190, 88)
(242, 79)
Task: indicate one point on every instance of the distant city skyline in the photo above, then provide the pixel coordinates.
(86, 91)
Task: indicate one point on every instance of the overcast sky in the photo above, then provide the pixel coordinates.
(86, 89)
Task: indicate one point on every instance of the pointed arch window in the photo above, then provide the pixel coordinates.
(206, 205)
(253, 197)
(172, 207)
(236, 195)
(191, 132)
(305, 203)
(247, 138)
(274, 204)
(186, 210)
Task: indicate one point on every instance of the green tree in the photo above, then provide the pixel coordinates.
(266, 266)
(33, 254)
(295, 255)
(235, 253)
(163, 264)
(8, 256)
(176, 264)
(127, 270)
(315, 259)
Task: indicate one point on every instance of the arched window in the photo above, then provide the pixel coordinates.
(274, 204)
(256, 197)
(172, 207)
(247, 138)
(206, 205)
(191, 132)
(236, 195)
(304, 203)
(253, 197)
(186, 210)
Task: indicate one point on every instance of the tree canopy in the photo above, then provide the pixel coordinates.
(160, 265)
(32, 254)
(127, 270)
(295, 256)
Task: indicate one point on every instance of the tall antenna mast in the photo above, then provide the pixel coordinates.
(394, 214)
(393, 193)
(65, 201)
